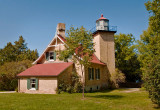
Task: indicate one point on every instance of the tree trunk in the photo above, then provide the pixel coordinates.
(82, 82)
(83, 89)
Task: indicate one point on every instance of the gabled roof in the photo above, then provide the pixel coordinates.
(94, 58)
(49, 69)
(56, 36)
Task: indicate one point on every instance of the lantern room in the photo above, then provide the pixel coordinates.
(102, 24)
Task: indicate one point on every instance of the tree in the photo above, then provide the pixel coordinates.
(7, 54)
(17, 52)
(20, 45)
(79, 45)
(14, 58)
(9, 71)
(149, 49)
(117, 77)
(22, 51)
(126, 57)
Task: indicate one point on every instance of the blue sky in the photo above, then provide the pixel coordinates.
(36, 20)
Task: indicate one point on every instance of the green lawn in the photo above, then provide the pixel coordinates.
(108, 100)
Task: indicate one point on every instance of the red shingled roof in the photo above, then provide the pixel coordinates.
(96, 60)
(49, 69)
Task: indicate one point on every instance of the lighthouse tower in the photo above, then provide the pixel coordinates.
(103, 38)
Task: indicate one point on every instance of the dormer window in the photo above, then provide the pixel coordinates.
(51, 56)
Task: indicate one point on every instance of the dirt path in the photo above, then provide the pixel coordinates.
(8, 92)
(128, 90)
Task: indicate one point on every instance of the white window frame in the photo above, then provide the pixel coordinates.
(49, 56)
(32, 83)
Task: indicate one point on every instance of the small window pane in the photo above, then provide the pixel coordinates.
(33, 85)
(89, 73)
(51, 55)
(98, 73)
(33, 80)
(92, 73)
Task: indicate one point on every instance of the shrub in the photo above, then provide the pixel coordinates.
(16, 89)
(76, 83)
(74, 87)
(69, 89)
(151, 77)
(117, 78)
(61, 87)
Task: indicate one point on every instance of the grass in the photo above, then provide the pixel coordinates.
(107, 100)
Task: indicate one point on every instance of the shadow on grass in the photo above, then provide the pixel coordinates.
(101, 91)
(107, 96)
(108, 90)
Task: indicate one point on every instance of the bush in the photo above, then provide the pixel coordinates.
(117, 78)
(76, 83)
(69, 89)
(151, 77)
(74, 87)
(7, 82)
(16, 89)
(61, 87)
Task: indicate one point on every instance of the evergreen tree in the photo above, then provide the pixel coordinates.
(7, 54)
(17, 52)
(20, 45)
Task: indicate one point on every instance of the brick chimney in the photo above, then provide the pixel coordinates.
(61, 29)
